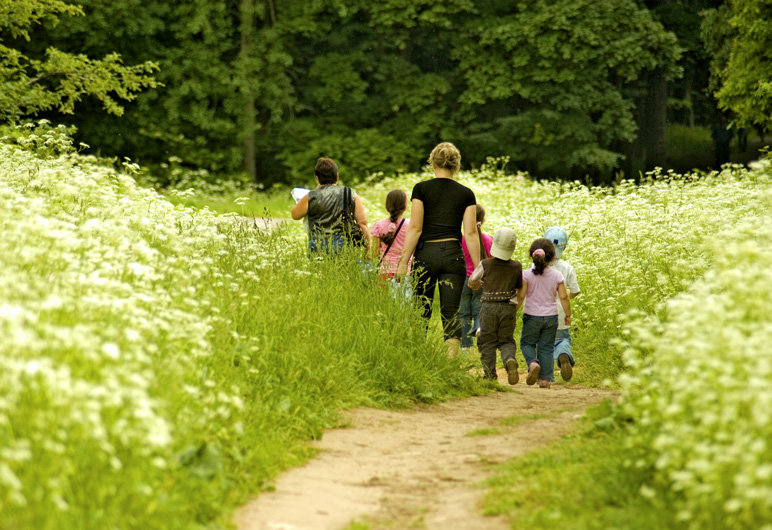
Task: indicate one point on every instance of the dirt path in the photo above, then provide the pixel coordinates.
(418, 468)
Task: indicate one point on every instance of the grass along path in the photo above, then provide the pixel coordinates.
(419, 468)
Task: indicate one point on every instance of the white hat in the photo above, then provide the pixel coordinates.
(504, 241)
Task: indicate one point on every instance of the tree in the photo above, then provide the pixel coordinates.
(743, 70)
(552, 78)
(58, 80)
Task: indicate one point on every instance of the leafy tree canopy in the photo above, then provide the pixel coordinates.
(58, 80)
(743, 66)
(554, 75)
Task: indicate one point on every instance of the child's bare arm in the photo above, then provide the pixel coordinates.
(521, 294)
(565, 302)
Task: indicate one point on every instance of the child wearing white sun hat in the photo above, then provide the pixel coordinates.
(500, 277)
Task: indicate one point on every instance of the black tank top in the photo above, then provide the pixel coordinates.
(445, 201)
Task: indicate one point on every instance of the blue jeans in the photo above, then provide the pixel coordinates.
(327, 245)
(563, 345)
(537, 343)
(469, 313)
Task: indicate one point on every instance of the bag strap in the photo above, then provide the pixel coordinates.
(347, 199)
(344, 209)
(390, 244)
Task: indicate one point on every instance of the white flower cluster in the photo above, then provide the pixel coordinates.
(633, 246)
(108, 300)
(699, 390)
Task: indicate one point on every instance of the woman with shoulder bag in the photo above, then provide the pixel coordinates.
(334, 213)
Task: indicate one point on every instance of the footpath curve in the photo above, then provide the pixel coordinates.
(417, 468)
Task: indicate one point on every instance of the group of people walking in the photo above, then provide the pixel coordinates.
(481, 288)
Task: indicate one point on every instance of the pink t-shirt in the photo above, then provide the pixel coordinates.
(391, 260)
(540, 299)
(487, 241)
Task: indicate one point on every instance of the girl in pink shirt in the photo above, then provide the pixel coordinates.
(389, 234)
(541, 284)
(469, 310)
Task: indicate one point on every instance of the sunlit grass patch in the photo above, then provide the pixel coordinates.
(513, 421)
(580, 482)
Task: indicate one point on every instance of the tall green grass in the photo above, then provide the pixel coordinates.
(689, 444)
(159, 363)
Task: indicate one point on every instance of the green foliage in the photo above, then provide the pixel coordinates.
(149, 375)
(698, 393)
(746, 78)
(58, 81)
(375, 86)
(556, 73)
(689, 148)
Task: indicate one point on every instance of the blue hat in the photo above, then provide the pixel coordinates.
(558, 236)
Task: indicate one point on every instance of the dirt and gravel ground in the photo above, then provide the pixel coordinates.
(419, 468)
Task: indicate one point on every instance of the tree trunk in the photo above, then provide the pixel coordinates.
(247, 12)
(648, 150)
(655, 120)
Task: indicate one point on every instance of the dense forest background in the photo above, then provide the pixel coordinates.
(562, 88)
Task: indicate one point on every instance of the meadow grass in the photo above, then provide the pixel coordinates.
(633, 246)
(274, 204)
(160, 363)
(581, 482)
(688, 444)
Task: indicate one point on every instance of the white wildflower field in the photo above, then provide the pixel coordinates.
(633, 246)
(699, 390)
(159, 363)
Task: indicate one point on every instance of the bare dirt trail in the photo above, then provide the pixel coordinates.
(418, 468)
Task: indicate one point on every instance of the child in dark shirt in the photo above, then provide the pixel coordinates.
(501, 277)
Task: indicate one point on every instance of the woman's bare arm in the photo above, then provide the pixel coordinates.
(414, 230)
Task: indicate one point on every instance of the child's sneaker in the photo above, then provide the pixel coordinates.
(512, 376)
(533, 373)
(544, 383)
(566, 371)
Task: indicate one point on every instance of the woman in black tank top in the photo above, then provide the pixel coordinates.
(439, 209)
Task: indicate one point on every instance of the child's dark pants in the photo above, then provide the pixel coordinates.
(497, 331)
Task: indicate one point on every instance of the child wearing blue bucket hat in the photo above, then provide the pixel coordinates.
(562, 353)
